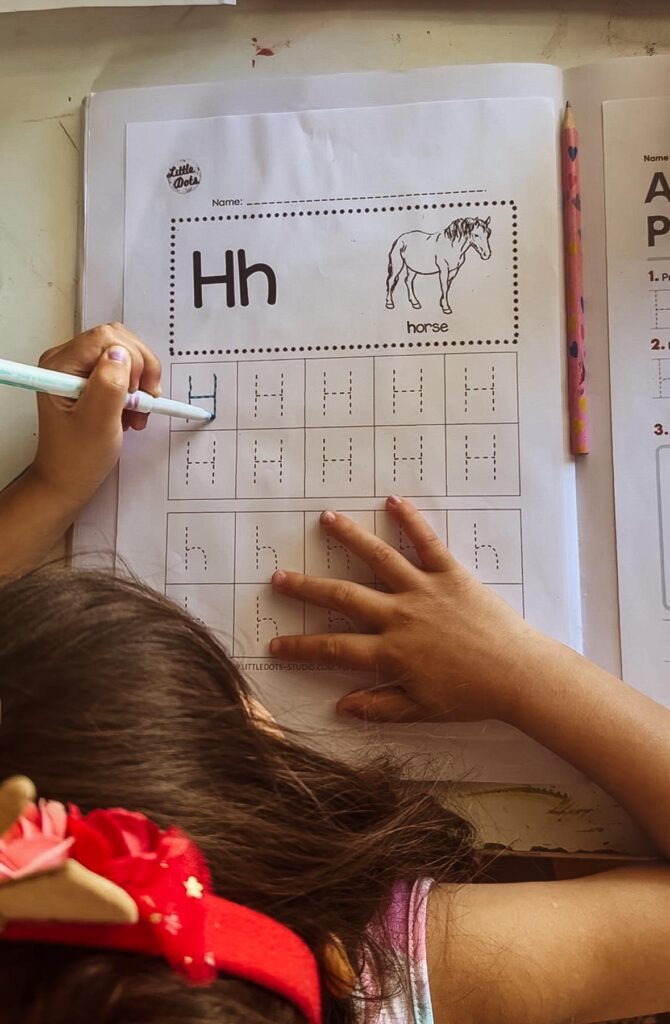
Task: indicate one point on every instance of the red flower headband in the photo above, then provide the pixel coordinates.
(113, 880)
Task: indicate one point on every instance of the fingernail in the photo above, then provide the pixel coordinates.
(328, 518)
(393, 499)
(118, 354)
(278, 578)
(275, 646)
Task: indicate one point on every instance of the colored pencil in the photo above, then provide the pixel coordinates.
(67, 385)
(574, 288)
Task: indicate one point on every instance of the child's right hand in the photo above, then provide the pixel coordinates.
(451, 647)
(80, 442)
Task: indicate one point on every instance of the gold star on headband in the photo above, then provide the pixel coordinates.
(193, 887)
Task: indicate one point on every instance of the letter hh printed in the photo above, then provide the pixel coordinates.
(228, 278)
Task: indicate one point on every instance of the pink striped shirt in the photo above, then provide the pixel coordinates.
(404, 925)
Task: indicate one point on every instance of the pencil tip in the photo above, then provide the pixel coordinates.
(568, 117)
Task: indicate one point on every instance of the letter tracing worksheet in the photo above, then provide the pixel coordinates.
(369, 302)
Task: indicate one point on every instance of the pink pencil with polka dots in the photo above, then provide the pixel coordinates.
(574, 289)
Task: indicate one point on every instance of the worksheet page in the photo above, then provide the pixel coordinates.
(345, 291)
(369, 301)
(637, 186)
(588, 88)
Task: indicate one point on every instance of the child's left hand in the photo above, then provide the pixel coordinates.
(80, 442)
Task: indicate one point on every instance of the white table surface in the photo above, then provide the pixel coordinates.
(49, 61)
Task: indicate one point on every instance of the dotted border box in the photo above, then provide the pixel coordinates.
(346, 211)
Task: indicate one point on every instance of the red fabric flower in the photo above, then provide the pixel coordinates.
(179, 918)
(161, 870)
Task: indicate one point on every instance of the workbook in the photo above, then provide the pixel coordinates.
(361, 278)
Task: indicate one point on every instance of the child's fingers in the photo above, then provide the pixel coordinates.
(80, 355)
(134, 420)
(102, 400)
(149, 378)
(388, 564)
(352, 599)
(430, 549)
(386, 704)
(145, 375)
(347, 650)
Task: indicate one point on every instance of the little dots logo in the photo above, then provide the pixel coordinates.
(183, 176)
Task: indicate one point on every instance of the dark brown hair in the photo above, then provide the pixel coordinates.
(112, 696)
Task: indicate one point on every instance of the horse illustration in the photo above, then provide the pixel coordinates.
(441, 253)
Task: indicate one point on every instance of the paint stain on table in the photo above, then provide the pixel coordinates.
(262, 50)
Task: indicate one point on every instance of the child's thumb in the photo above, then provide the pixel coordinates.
(107, 387)
(385, 704)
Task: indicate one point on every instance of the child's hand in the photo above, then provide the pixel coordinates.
(80, 442)
(449, 645)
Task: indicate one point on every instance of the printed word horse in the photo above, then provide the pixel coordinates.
(441, 253)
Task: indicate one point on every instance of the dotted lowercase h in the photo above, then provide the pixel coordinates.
(226, 561)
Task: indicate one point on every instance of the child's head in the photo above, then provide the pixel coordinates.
(111, 696)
